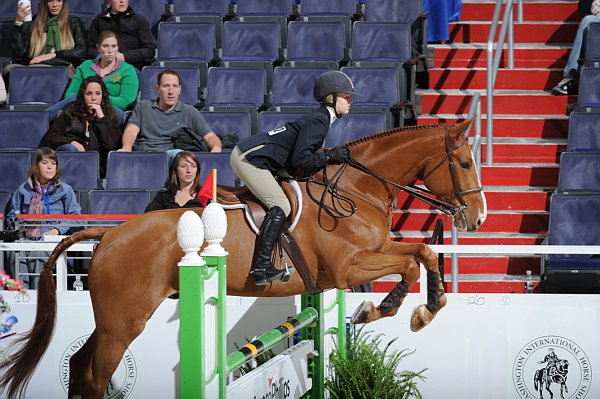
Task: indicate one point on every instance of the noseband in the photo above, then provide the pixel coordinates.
(423, 194)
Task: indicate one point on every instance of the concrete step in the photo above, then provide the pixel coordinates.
(497, 198)
(474, 238)
(519, 102)
(544, 176)
(522, 151)
(516, 126)
(527, 32)
(535, 222)
(506, 79)
(465, 55)
(558, 11)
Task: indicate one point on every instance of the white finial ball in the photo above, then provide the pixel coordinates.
(215, 222)
(190, 234)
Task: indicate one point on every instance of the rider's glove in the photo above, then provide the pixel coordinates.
(337, 155)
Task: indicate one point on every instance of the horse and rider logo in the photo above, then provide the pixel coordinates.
(122, 382)
(550, 365)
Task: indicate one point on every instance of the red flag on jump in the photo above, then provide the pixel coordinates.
(206, 191)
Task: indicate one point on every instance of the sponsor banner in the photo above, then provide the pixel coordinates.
(283, 377)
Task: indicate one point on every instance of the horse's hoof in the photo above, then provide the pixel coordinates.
(418, 319)
(361, 314)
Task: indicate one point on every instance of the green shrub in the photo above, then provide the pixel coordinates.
(369, 372)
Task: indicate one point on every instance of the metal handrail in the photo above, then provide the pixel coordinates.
(493, 61)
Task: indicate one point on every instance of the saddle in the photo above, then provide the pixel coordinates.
(231, 196)
(241, 197)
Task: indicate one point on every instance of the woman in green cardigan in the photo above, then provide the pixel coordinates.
(120, 78)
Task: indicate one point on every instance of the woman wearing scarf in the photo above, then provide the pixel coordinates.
(42, 193)
(52, 38)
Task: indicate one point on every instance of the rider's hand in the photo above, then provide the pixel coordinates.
(337, 155)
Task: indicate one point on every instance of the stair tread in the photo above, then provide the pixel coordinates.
(517, 46)
(547, 93)
(499, 116)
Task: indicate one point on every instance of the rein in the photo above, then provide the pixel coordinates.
(348, 206)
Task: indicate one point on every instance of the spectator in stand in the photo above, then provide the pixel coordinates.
(53, 37)
(137, 45)
(154, 124)
(568, 85)
(121, 79)
(181, 189)
(88, 124)
(42, 193)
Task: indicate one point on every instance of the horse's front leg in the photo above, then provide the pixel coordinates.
(436, 295)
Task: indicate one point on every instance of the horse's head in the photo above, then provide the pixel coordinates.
(455, 180)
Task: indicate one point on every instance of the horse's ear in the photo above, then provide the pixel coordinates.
(461, 127)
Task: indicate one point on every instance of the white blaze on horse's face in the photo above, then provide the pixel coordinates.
(482, 211)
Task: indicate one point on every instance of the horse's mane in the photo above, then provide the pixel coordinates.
(389, 132)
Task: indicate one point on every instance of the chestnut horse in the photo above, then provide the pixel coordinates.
(134, 267)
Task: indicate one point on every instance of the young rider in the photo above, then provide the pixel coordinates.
(297, 148)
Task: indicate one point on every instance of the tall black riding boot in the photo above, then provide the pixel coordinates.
(263, 269)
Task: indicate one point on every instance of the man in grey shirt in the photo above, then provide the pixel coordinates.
(153, 123)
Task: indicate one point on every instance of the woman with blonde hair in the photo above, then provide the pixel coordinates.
(53, 37)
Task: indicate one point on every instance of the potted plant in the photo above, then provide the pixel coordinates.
(368, 371)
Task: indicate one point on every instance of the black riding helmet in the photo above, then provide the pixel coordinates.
(332, 82)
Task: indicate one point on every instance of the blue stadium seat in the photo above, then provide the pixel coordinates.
(125, 202)
(381, 41)
(190, 83)
(247, 8)
(383, 86)
(588, 97)
(579, 172)
(218, 8)
(153, 10)
(236, 86)
(328, 8)
(392, 10)
(591, 49)
(407, 11)
(571, 224)
(202, 11)
(356, 125)
(584, 132)
(80, 169)
(224, 123)
(252, 45)
(191, 44)
(90, 7)
(269, 120)
(251, 41)
(220, 161)
(294, 86)
(316, 44)
(35, 87)
(22, 130)
(136, 170)
(18, 163)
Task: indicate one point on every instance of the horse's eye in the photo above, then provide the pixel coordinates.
(465, 165)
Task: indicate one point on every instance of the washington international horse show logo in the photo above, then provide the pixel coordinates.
(552, 366)
(122, 382)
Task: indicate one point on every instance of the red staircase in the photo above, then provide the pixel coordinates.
(530, 130)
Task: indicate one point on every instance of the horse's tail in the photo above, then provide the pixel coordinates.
(19, 368)
(536, 379)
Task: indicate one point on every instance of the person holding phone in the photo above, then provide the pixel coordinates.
(88, 124)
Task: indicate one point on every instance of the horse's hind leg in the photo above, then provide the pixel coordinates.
(79, 364)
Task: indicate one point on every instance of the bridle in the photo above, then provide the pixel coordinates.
(343, 206)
